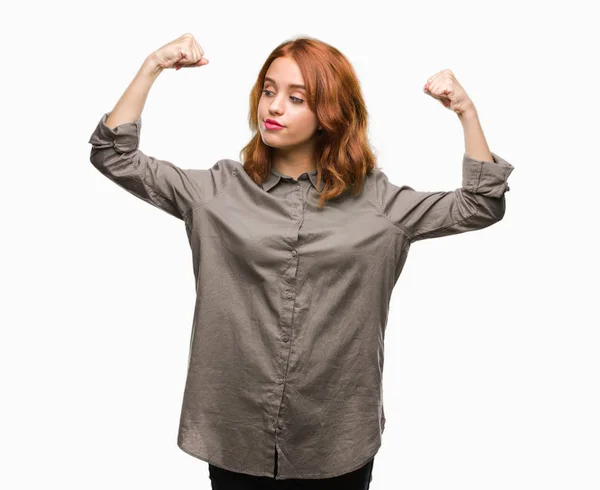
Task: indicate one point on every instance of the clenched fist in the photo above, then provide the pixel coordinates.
(183, 52)
(444, 87)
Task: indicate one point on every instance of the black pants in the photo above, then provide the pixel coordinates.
(222, 479)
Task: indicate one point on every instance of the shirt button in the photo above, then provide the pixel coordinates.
(280, 381)
(298, 187)
(294, 253)
(285, 337)
(289, 295)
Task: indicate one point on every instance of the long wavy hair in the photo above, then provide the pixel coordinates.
(343, 153)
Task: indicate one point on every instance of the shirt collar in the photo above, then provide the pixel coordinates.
(275, 176)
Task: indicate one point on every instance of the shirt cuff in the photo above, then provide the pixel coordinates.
(123, 138)
(486, 178)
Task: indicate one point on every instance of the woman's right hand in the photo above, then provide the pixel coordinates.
(183, 52)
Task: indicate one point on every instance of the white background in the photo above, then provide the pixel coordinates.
(492, 370)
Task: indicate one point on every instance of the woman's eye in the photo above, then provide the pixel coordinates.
(296, 101)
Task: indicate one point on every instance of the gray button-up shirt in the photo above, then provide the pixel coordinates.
(287, 340)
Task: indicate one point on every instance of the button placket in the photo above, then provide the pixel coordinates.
(288, 292)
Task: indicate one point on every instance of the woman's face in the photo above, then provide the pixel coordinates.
(286, 105)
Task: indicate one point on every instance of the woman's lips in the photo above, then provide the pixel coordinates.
(271, 126)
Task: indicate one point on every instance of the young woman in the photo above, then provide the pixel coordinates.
(295, 254)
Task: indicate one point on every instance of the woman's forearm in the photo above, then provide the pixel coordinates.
(131, 104)
(475, 144)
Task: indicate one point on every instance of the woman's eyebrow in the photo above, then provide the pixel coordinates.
(291, 85)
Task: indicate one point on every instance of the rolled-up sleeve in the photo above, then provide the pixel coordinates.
(479, 203)
(115, 153)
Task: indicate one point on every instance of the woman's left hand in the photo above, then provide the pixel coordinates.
(444, 87)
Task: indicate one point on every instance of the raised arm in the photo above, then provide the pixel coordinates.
(115, 141)
(477, 204)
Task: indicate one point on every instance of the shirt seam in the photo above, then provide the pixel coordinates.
(234, 174)
(380, 210)
(396, 225)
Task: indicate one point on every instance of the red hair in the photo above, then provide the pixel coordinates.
(344, 156)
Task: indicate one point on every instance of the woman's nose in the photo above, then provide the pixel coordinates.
(275, 105)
